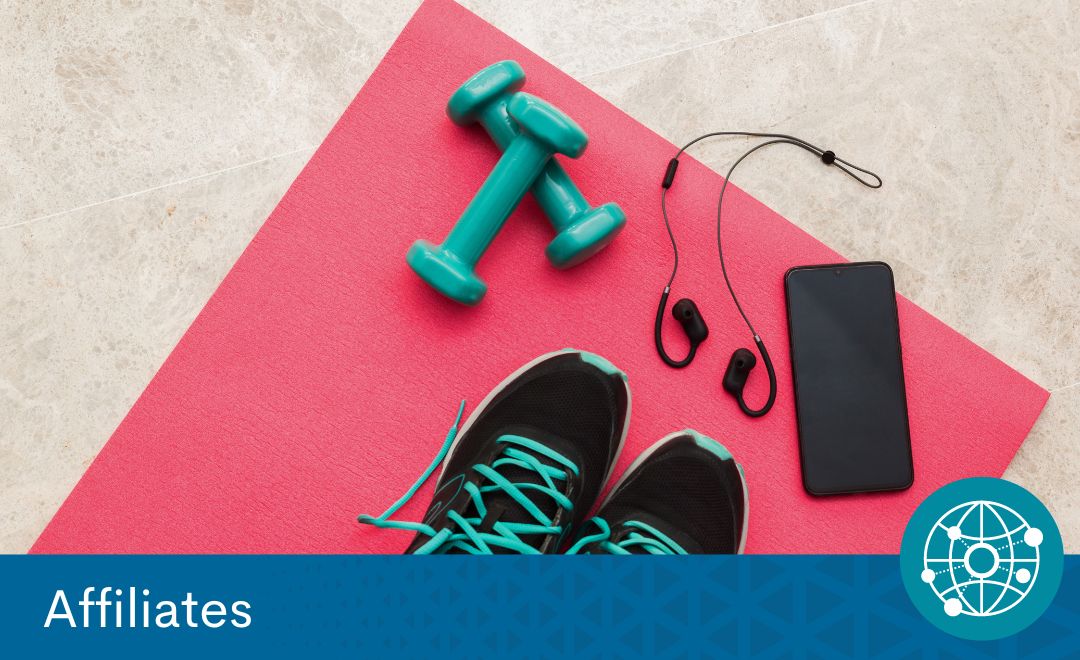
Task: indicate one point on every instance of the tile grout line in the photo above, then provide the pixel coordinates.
(703, 44)
(157, 187)
(1055, 390)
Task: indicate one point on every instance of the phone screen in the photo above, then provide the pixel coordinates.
(849, 378)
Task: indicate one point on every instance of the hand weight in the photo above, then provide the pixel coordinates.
(544, 131)
(582, 231)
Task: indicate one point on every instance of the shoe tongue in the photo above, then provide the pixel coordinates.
(502, 507)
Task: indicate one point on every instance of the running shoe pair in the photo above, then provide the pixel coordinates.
(522, 473)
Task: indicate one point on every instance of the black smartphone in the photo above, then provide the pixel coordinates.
(847, 368)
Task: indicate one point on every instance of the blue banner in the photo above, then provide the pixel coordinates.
(388, 606)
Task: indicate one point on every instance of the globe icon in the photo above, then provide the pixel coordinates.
(981, 558)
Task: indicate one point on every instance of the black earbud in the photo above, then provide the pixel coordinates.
(689, 317)
(738, 371)
(687, 314)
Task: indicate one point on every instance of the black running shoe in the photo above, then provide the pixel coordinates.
(683, 495)
(527, 465)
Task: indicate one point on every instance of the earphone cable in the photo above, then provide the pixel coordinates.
(826, 157)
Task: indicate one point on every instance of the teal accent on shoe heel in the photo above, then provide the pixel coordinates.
(602, 364)
(708, 444)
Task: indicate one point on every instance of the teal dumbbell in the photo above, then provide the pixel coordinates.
(582, 231)
(544, 131)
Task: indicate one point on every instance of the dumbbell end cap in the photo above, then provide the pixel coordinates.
(447, 274)
(487, 85)
(548, 124)
(586, 236)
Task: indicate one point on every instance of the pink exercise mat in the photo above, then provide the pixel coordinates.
(320, 379)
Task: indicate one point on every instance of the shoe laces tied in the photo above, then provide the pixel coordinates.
(643, 537)
(465, 533)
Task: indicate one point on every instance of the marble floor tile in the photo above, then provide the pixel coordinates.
(971, 114)
(1047, 464)
(114, 97)
(585, 38)
(93, 302)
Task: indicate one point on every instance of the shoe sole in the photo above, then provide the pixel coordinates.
(464, 428)
(652, 449)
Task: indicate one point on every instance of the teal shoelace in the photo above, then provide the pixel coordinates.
(644, 537)
(464, 533)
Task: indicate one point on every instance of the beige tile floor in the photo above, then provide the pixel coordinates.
(145, 142)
